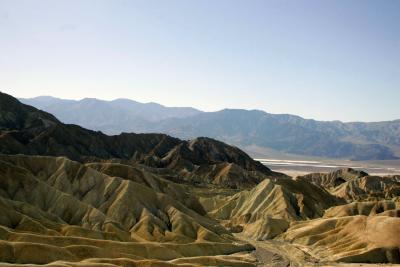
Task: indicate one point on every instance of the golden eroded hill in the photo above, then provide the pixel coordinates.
(55, 209)
(72, 212)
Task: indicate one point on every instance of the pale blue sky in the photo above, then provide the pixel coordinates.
(318, 59)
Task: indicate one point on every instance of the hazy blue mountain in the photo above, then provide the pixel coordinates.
(111, 117)
(291, 134)
(244, 128)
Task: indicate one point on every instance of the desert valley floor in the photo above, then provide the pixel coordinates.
(302, 166)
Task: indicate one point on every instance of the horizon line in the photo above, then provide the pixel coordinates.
(200, 110)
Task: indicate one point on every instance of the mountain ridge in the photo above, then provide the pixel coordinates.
(245, 128)
(40, 98)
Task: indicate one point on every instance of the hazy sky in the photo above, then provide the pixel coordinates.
(318, 59)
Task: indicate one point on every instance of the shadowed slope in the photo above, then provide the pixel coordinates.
(26, 130)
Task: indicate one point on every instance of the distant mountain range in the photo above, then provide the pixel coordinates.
(253, 129)
(111, 117)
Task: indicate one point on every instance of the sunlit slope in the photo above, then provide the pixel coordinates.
(267, 210)
(365, 229)
(368, 239)
(73, 212)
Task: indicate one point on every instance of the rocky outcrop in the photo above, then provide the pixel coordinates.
(332, 179)
(353, 185)
(369, 188)
(367, 208)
